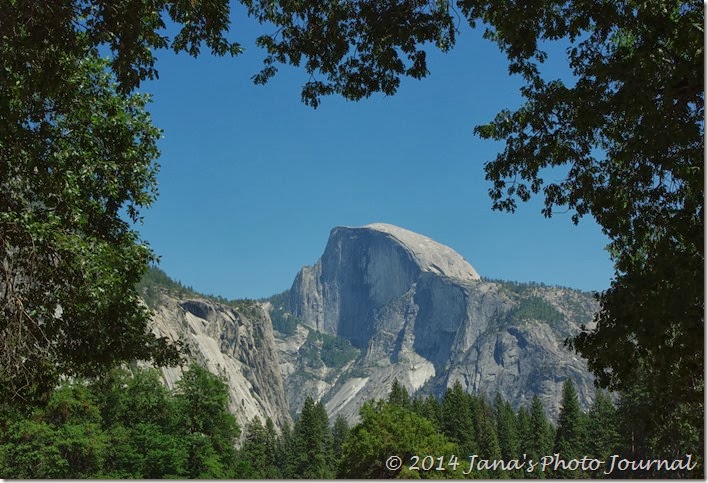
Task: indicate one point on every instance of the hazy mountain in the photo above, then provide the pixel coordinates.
(418, 312)
(381, 303)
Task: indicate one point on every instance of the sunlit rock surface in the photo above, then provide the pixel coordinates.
(420, 313)
(236, 344)
(415, 310)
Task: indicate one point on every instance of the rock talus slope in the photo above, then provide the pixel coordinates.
(420, 313)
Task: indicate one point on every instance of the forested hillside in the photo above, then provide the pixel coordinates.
(128, 425)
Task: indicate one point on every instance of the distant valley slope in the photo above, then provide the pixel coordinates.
(382, 303)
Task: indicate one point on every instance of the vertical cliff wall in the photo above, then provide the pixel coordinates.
(420, 313)
(237, 344)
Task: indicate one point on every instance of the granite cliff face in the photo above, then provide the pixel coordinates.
(418, 312)
(235, 343)
(381, 303)
(363, 269)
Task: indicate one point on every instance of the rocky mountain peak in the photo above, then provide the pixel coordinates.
(381, 304)
(235, 343)
(430, 255)
(419, 313)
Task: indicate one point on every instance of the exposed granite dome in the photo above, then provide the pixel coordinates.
(430, 255)
(420, 313)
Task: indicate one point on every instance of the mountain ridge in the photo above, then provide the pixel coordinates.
(386, 303)
(429, 327)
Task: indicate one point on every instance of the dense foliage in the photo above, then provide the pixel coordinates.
(124, 425)
(71, 159)
(78, 151)
(128, 425)
(77, 160)
(625, 138)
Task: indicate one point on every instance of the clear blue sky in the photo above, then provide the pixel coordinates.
(252, 180)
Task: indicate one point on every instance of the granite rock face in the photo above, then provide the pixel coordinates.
(237, 344)
(420, 313)
(364, 269)
(408, 307)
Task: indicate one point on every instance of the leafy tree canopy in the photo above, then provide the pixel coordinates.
(73, 155)
(124, 425)
(627, 132)
(387, 429)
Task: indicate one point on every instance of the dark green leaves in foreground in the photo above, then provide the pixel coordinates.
(627, 134)
(353, 48)
(72, 160)
(77, 161)
(127, 425)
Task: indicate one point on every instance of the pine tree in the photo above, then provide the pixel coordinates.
(541, 434)
(570, 438)
(523, 428)
(486, 435)
(285, 452)
(457, 422)
(254, 453)
(272, 467)
(508, 433)
(603, 428)
(313, 443)
(399, 395)
(340, 431)
(429, 408)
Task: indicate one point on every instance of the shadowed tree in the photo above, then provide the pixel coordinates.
(488, 440)
(603, 437)
(259, 451)
(457, 420)
(571, 438)
(340, 431)
(285, 452)
(523, 428)
(313, 443)
(508, 433)
(626, 138)
(541, 435)
(428, 407)
(399, 395)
